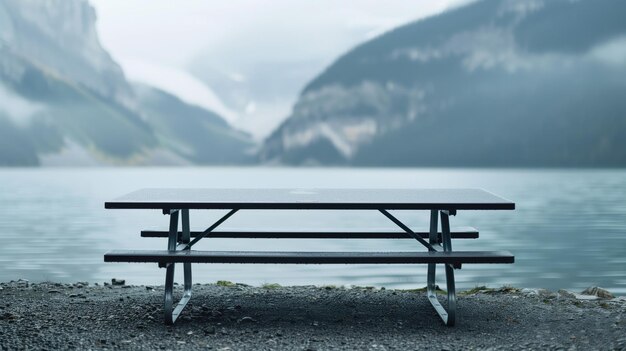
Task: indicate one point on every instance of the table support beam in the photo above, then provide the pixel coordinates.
(184, 242)
(211, 228)
(448, 316)
(171, 313)
(407, 230)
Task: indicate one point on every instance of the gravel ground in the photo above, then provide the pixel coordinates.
(230, 316)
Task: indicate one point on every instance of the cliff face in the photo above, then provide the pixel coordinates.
(59, 37)
(494, 83)
(65, 101)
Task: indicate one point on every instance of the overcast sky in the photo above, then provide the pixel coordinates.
(156, 41)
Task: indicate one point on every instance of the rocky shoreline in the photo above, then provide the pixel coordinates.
(228, 316)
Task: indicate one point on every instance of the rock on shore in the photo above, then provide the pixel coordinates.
(239, 317)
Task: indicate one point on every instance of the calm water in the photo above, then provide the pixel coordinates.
(568, 231)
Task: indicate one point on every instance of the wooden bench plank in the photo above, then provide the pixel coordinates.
(458, 233)
(296, 257)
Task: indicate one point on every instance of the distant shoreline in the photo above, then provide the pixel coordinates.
(230, 316)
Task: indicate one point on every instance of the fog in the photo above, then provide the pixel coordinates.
(161, 42)
(510, 82)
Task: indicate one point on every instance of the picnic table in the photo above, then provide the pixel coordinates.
(442, 203)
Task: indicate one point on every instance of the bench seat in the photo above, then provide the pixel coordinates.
(296, 257)
(457, 233)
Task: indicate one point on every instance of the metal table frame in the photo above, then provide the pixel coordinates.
(442, 203)
(434, 243)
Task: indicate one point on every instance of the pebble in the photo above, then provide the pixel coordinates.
(566, 294)
(247, 319)
(544, 293)
(586, 297)
(32, 318)
(216, 313)
(599, 292)
(8, 316)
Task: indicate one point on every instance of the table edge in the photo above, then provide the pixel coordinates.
(306, 206)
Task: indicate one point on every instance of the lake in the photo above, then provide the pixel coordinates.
(568, 231)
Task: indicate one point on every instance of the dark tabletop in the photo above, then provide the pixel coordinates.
(351, 199)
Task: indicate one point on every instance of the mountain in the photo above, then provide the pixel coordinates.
(65, 101)
(196, 134)
(493, 83)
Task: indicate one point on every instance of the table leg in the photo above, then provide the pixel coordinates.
(448, 316)
(169, 314)
(186, 238)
